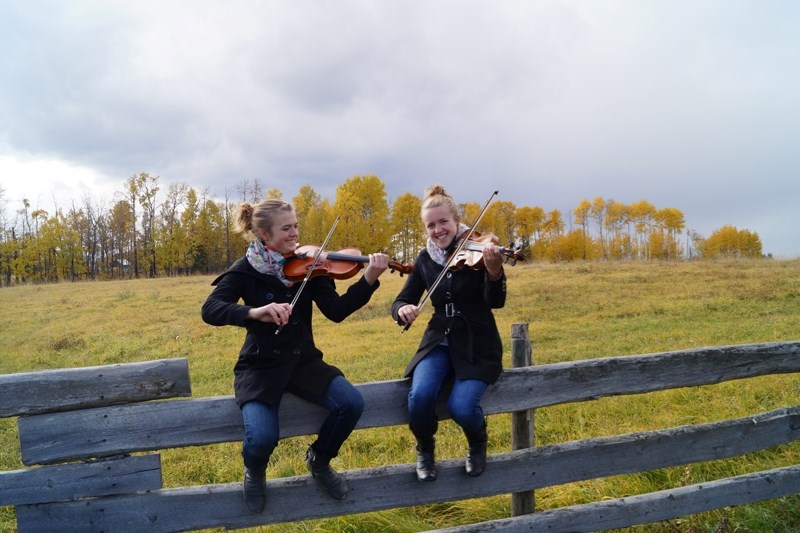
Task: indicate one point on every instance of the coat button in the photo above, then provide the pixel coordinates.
(270, 296)
(449, 275)
(448, 295)
(296, 351)
(276, 352)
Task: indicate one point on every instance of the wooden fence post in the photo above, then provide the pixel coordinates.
(521, 421)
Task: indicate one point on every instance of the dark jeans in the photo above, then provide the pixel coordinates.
(261, 427)
(464, 403)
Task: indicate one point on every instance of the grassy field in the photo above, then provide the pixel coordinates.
(574, 311)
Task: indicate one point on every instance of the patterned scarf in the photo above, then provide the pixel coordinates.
(439, 255)
(267, 261)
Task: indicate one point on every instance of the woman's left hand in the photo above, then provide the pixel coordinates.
(492, 260)
(378, 263)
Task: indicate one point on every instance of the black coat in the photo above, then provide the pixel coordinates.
(463, 303)
(270, 364)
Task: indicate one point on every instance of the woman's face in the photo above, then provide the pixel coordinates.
(441, 225)
(283, 235)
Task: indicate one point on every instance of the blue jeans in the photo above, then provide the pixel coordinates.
(262, 430)
(464, 403)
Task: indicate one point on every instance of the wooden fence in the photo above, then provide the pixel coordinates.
(81, 426)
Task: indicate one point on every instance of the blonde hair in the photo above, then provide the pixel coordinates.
(434, 196)
(250, 219)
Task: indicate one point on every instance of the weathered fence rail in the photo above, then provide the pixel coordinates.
(652, 507)
(29, 393)
(112, 491)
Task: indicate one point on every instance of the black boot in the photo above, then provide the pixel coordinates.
(476, 460)
(426, 464)
(255, 489)
(333, 482)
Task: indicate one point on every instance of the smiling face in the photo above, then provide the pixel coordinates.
(283, 234)
(441, 224)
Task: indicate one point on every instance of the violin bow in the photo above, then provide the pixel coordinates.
(452, 256)
(311, 269)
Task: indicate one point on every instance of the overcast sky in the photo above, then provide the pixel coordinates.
(691, 104)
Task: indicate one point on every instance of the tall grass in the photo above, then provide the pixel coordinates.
(574, 311)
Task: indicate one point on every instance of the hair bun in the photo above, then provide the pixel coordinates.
(245, 217)
(435, 190)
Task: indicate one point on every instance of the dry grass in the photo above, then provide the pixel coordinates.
(574, 311)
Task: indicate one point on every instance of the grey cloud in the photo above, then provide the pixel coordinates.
(685, 104)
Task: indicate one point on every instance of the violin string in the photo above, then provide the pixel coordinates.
(450, 259)
(311, 269)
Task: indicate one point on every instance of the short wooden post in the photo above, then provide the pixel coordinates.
(521, 421)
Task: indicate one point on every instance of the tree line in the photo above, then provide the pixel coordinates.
(147, 232)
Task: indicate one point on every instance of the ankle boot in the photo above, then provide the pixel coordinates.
(255, 489)
(333, 482)
(426, 464)
(476, 460)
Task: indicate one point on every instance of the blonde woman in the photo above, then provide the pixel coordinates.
(460, 343)
(255, 294)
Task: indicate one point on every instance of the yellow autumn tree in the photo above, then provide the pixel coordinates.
(641, 216)
(361, 203)
(552, 231)
(408, 234)
(668, 223)
(581, 214)
(274, 194)
(729, 242)
(500, 220)
(311, 216)
(618, 242)
(529, 227)
(574, 246)
(598, 213)
(750, 244)
(469, 212)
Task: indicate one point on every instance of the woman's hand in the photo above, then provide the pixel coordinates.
(378, 263)
(408, 313)
(492, 260)
(277, 313)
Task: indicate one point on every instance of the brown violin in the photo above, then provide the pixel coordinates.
(343, 264)
(471, 253)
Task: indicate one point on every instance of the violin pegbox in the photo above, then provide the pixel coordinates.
(400, 268)
(512, 253)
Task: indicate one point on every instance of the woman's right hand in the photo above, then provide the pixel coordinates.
(408, 313)
(277, 313)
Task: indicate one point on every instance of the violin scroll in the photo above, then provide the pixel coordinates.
(400, 268)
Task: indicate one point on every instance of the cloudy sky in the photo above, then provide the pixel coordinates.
(691, 104)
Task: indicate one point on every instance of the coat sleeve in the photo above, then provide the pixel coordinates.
(221, 308)
(337, 307)
(412, 291)
(494, 292)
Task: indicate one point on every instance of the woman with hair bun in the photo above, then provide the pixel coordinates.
(460, 344)
(279, 354)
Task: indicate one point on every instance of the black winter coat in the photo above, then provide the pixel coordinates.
(463, 303)
(270, 364)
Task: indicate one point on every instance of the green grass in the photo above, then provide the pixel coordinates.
(575, 311)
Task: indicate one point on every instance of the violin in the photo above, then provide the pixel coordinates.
(343, 264)
(471, 253)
